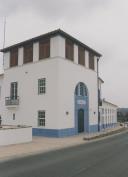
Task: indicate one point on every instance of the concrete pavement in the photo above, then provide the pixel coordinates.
(42, 144)
(39, 144)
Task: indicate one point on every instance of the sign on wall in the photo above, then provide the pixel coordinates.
(81, 102)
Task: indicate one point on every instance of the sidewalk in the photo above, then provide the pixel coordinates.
(43, 144)
(104, 133)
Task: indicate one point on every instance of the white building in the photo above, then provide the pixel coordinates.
(108, 115)
(51, 83)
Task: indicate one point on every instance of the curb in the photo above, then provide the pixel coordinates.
(105, 134)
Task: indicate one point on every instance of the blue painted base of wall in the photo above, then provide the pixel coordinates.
(93, 128)
(60, 133)
(53, 132)
(104, 126)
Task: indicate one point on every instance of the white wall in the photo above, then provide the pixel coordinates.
(30, 102)
(95, 63)
(70, 75)
(35, 51)
(6, 60)
(20, 56)
(76, 54)
(15, 136)
(57, 47)
(108, 117)
(87, 58)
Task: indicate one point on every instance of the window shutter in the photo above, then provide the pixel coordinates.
(28, 53)
(44, 49)
(69, 50)
(91, 60)
(81, 56)
(14, 57)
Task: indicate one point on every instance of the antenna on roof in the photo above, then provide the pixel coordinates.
(4, 32)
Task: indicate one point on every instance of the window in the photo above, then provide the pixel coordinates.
(91, 60)
(41, 118)
(13, 116)
(69, 49)
(41, 86)
(14, 90)
(14, 57)
(44, 49)
(28, 53)
(106, 111)
(81, 56)
(81, 90)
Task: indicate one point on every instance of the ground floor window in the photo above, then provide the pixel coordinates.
(41, 118)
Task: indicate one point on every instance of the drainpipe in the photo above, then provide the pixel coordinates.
(98, 93)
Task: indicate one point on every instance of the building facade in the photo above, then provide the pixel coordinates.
(108, 114)
(51, 83)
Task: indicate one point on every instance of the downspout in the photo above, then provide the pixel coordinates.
(98, 93)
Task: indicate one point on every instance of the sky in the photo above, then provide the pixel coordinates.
(100, 24)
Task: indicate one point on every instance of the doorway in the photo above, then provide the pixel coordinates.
(80, 120)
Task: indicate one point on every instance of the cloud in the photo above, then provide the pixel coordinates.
(51, 9)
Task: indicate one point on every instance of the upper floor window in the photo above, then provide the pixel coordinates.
(41, 118)
(14, 57)
(91, 61)
(81, 56)
(69, 49)
(41, 86)
(44, 49)
(28, 53)
(14, 90)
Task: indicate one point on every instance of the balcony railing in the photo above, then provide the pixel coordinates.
(12, 101)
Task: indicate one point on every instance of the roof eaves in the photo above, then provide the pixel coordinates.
(50, 34)
(79, 42)
(109, 103)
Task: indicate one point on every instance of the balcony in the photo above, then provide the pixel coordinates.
(12, 101)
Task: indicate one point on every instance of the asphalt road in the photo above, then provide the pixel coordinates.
(104, 158)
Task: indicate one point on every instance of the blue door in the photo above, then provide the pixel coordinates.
(81, 108)
(80, 120)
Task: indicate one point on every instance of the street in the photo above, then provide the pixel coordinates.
(103, 158)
